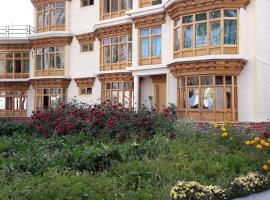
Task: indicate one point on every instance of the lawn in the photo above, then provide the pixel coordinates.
(78, 167)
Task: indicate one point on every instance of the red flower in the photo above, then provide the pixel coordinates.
(113, 133)
(121, 139)
(265, 134)
(166, 110)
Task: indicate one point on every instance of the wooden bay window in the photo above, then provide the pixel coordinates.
(85, 85)
(206, 33)
(114, 8)
(146, 3)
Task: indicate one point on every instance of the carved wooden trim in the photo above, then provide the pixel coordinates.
(50, 83)
(15, 46)
(86, 37)
(14, 85)
(151, 20)
(159, 78)
(51, 41)
(83, 82)
(122, 29)
(207, 67)
(184, 7)
(41, 2)
(116, 77)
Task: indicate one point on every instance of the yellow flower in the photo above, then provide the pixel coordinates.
(267, 144)
(259, 146)
(216, 126)
(225, 134)
(268, 140)
(265, 167)
(262, 142)
(248, 143)
(231, 138)
(268, 162)
(223, 129)
(253, 142)
(257, 139)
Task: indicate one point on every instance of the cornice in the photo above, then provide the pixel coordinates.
(86, 81)
(114, 30)
(150, 20)
(184, 7)
(86, 37)
(56, 41)
(15, 46)
(50, 82)
(115, 77)
(41, 2)
(207, 67)
(14, 85)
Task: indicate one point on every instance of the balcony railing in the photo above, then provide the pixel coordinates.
(11, 31)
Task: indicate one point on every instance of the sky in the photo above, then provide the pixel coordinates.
(16, 12)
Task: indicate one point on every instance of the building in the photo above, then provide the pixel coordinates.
(209, 57)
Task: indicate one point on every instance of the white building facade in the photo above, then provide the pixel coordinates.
(210, 58)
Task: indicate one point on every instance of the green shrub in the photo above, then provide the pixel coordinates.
(10, 127)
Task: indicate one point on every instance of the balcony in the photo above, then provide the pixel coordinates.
(16, 31)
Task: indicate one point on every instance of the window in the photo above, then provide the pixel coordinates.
(85, 90)
(87, 3)
(49, 61)
(87, 47)
(146, 3)
(47, 98)
(116, 52)
(13, 102)
(213, 32)
(51, 16)
(150, 46)
(208, 97)
(114, 8)
(14, 64)
(118, 92)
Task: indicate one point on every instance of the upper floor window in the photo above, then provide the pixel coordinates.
(14, 64)
(49, 61)
(87, 3)
(114, 8)
(146, 3)
(213, 32)
(116, 52)
(150, 46)
(87, 47)
(51, 17)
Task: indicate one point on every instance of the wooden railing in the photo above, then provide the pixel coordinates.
(10, 31)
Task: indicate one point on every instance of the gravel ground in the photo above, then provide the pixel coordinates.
(259, 196)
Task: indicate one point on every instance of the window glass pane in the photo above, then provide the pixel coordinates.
(60, 60)
(130, 52)
(60, 16)
(107, 55)
(114, 5)
(53, 17)
(177, 39)
(193, 98)
(228, 97)
(8, 103)
(2, 103)
(156, 31)
(114, 53)
(156, 46)
(124, 52)
(45, 63)
(187, 19)
(188, 35)
(9, 66)
(193, 81)
(26, 66)
(2, 66)
(219, 98)
(18, 65)
(201, 34)
(230, 31)
(215, 14)
(219, 80)
(230, 13)
(145, 47)
(145, 32)
(46, 18)
(201, 17)
(207, 80)
(215, 33)
(208, 102)
(106, 4)
(228, 80)
(40, 20)
(106, 41)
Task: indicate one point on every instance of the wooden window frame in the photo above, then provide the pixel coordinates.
(147, 3)
(201, 113)
(119, 65)
(87, 47)
(51, 71)
(88, 3)
(85, 88)
(151, 60)
(208, 49)
(41, 9)
(39, 93)
(11, 93)
(105, 91)
(24, 56)
(111, 14)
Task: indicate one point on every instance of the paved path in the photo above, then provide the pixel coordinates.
(259, 196)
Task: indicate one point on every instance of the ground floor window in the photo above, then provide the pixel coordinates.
(47, 98)
(120, 92)
(208, 98)
(13, 102)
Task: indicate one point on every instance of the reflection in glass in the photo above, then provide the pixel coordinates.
(219, 98)
(194, 98)
(230, 31)
(145, 47)
(188, 34)
(215, 33)
(208, 102)
(201, 34)
(156, 46)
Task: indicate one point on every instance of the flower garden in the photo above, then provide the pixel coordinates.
(78, 151)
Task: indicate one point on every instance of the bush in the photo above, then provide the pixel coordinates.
(251, 183)
(9, 127)
(195, 191)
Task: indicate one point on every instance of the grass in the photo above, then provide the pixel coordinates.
(34, 168)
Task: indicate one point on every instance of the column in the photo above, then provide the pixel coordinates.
(136, 92)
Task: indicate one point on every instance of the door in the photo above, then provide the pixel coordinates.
(160, 92)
